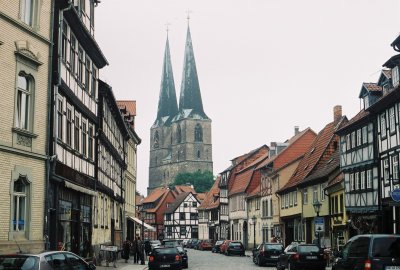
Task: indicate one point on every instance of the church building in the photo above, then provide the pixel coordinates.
(180, 138)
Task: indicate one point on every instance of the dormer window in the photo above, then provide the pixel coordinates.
(395, 76)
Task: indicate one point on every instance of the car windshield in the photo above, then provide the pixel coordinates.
(273, 247)
(310, 248)
(180, 249)
(19, 262)
(166, 250)
(386, 247)
(155, 242)
(219, 242)
(235, 244)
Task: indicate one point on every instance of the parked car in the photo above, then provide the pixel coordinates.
(235, 248)
(171, 242)
(205, 245)
(302, 256)
(216, 247)
(165, 257)
(155, 243)
(44, 261)
(196, 244)
(190, 242)
(267, 254)
(184, 242)
(183, 253)
(371, 251)
(224, 246)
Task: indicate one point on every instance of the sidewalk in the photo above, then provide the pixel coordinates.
(121, 264)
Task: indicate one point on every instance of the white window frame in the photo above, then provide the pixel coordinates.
(386, 170)
(351, 182)
(356, 182)
(305, 196)
(359, 137)
(395, 168)
(365, 135)
(383, 124)
(392, 122)
(315, 193)
(362, 180)
(369, 179)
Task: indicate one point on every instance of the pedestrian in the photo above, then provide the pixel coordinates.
(139, 251)
(126, 249)
(147, 247)
(134, 250)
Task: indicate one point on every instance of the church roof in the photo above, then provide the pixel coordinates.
(190, 102)
(167, 104)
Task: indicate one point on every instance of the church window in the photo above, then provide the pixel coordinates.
(156, 139)
(178, 134)
(198, 153)
(198, 133)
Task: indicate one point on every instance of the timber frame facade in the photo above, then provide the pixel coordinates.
(181, 218)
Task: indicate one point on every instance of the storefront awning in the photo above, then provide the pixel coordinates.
(79, 188)
(147, 226)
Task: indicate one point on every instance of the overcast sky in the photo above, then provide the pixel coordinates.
(263, 66)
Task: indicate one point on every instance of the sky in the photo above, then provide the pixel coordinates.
(264, 66)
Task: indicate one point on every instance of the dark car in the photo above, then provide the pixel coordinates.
(165, 257)
(190, 242)
(302, 256)
(267, 254)
(370, 251)
(195, 244)
(44, 261)
(183, 253)
(205, 245)
(235, 248)
(216, 247)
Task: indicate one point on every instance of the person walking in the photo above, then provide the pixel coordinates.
(140, 250)
(126, 249)
(135, 250)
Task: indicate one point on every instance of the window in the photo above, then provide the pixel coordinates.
(286, 200)
(356, 181)
(194, 204)
(178, 134)
(359, 137)
(295, 198)
(77, 132)
(383, 125)
(87, 74)
(392, 123)
(365, 135)
(168, 217)
(198, 154)
(359, 248)
(24, 86)
(90, 142)
(194, 216)
(183, 230)
(198, 133)
(386, 170)
(291, 199)
(369, 179)
(80, 64)
(323, 186)
(94, 81)
(315, 193)
(351, 182)
(169, 231)
(353, 139)
(272, 208)
(69, 126)
(348, 142)
(182, 216)
(395, 76)
(341, 203)
(64, 41)
(27, 11)
(156, 139)
(20, 192)
(305, 196)
(72, 54)
(362, 180)
(84, 137)
(395, 172)
(60, 119)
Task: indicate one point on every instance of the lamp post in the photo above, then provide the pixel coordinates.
(254, 230)
(317, 207)
(142, 232)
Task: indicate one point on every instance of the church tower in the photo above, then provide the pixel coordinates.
(180, 139)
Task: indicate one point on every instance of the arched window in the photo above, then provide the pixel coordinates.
(20, 193)
(178, 134)
(24, 99)
(156, 139)
(198, 133)
(198, 154)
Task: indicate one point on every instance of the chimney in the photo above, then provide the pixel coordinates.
(296, 130)
(273, 144)
(337, 113)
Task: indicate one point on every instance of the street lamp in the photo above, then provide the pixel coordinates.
(142, 246)
(317, 207)
(254, 230)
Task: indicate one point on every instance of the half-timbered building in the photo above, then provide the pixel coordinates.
(181, 217)
(210, 214)
(387, 115)
(77, 60)
(358, 162)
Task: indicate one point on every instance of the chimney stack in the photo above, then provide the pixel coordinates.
(296, 130)
(337, 113)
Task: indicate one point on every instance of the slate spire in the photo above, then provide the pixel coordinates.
(167, 104)
(190, 97)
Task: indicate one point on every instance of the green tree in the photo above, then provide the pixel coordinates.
(201, 181)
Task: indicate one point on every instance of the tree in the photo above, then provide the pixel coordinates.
(201, 181)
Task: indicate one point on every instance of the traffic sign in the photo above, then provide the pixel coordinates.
(319, 223)
(396, 195)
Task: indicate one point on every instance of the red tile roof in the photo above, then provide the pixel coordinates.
(256, 191)
(373, 87)
(320, 150)
(129, 105)
(201, 196)
(211, 199)
(339, 178)
(241, 181)
(358, 117)
(155, 194)
(183, 188)
(387, 73)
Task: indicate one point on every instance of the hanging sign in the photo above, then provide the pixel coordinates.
(395, 194)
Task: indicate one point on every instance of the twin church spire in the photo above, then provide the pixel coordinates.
(190, 102)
